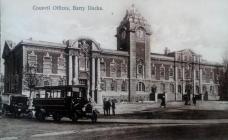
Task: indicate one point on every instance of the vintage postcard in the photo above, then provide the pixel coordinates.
(114, 69)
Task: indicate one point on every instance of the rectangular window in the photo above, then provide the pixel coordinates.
(171, 72)
(162, 72)
(179, 74)
(153, 70)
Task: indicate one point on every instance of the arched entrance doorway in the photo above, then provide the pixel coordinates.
(187, 95)
(153, 93)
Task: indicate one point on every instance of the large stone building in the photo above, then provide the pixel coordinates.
(130, 73)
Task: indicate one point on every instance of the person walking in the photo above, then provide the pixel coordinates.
(194, 100)
(163, 104)
(108, 105)
(113, 107)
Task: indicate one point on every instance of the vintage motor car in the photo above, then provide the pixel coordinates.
(15, 104)
(63, 101)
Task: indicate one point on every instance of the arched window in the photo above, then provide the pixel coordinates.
(140, 33)
(103, 85)
(212, 89)
(123, 86)
(140, 68)
(140, 86)
(179, 89)
(113, 85)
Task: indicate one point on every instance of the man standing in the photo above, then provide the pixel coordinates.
(113, 107)
(108, 105)
(104, 106)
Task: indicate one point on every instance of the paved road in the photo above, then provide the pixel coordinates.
(141, 122)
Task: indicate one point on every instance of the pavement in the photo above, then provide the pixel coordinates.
(127, 108)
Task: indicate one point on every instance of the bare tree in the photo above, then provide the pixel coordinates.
(31, 78)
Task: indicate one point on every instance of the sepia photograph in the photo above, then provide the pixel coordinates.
(114, 69)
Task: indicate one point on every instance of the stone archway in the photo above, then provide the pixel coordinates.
(83, 56)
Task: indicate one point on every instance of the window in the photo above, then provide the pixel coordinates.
(197, 74)
(102, 85)
(113, 85)
(179, 73)
(140, 87)
(171, 72)
(118, 72)
(140, 33)
(123, 86)
(32, 59)
(185, 58)
(47, 63)
(171, 86)
(153, 70)
(140, 69)
(46, 83)
(197, 89)
(162, 71)
(187, 73)
(211, 89)
(179, 89)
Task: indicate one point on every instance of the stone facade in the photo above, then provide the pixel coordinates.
(130, 73)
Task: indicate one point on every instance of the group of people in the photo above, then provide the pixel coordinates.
(107, 105)
(187, 99)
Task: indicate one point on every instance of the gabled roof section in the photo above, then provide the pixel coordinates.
(8, 47)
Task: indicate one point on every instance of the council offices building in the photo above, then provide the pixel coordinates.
(130, 73)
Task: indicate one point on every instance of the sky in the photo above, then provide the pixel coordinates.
(200, 25)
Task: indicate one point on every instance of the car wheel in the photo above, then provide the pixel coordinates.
(56, 117)
(94, 117)
(40, 116)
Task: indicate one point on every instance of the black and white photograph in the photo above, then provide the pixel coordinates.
(114, 69)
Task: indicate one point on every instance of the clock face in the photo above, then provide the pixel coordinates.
(123, 35)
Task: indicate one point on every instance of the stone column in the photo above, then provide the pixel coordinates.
(200, 83)
(70, 71)
(183, 85)
(194, 81)
(76, 67)
(93, 77)
(98, 74)
(176, 83)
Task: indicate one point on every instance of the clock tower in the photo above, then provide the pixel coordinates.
(133, 36)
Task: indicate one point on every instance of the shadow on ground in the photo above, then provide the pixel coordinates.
(173, 114)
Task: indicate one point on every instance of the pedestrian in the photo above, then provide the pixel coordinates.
(113, 107)
(163, 104)
(108, 107)
(194, 100)
(104, 106)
